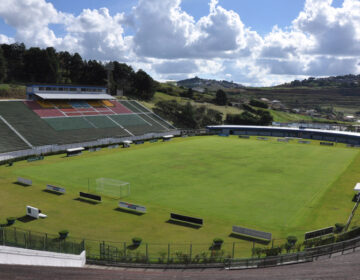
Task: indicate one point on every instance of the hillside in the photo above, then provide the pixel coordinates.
(208, 85)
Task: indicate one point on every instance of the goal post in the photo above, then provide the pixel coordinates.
(112, 188)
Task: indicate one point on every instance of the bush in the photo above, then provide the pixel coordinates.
(63, 233)
(258, 103)
(137, 240)
(273, 251)
(10, 220)
(218, 241)
(291, 240)
(339, 227)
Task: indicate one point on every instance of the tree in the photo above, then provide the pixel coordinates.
(2, 67)
(144, 85)
(221, 98)
(76, 68)
(14, 55)
(258, 103)
(123, 76)
(190, 93)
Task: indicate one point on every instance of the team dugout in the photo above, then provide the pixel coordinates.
(351, 138)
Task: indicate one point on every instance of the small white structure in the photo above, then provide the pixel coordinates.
(167, 137)
(74, 151)
(34, 212)
(357, 187)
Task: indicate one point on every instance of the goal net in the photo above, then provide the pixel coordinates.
(112, 188)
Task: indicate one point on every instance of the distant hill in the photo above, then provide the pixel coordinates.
(345, 81)
(199, 84)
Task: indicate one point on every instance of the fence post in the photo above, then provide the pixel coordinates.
(147, 252)
(168, 252)
(15, 238)
(125, 249)
(3, 236)
(190, 251)
(46, 241)
(233, 250)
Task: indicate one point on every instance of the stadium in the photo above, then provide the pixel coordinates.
(142, 191)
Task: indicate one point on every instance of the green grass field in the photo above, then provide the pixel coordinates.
(283, 188)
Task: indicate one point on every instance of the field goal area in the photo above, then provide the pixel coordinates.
(112, 188)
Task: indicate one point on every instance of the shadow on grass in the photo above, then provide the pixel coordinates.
(26, 219)
(86, 201)
(128, 211)
(20, 184)
(133, 246)
(184, 224)
(52, 192)
(215, 247)
(248, 238)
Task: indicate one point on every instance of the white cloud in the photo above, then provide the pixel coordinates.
(168, 42)
(6, 40)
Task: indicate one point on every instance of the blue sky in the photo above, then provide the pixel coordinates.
(176, 39)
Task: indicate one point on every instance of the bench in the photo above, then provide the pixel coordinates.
(55, 189)
(133, 207)
(186, 219)
(256, 234)
(90, 196)
(23, 181)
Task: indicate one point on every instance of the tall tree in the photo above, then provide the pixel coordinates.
(123, 76)
(2, 67)
(14, 55)
(221, 98)
(144, 85)
(76, 68)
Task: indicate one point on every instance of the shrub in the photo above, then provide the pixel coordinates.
(10, 220)
(136, 240)
(339, 227)
(218, 241)
(291, 240)
(63, 233)
(273, 251)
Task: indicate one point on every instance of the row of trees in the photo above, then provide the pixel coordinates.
(34, 65)
(187, 115)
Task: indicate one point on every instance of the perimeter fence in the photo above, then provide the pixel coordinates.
(16, 237)
(53, 149)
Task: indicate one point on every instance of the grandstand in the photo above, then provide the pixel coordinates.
(72, 114)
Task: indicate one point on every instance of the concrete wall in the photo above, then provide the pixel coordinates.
(13, 255)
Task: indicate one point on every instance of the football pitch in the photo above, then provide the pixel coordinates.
(282, 188)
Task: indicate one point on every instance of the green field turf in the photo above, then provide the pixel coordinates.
(283, 188)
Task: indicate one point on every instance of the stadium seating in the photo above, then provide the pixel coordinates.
(9, 141)
(130, 106)
(46, 113)
(44, 123)
(68, 123)
(61, 104)
(101, 121)
(79, 104)
(95, 103)
(107, 103)
(45, 104)
(119, 108)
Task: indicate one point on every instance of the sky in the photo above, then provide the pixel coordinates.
(252, 42)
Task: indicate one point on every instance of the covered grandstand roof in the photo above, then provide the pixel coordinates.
(80, 96)
(335, 132)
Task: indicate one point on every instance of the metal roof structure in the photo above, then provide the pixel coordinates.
(74, 96)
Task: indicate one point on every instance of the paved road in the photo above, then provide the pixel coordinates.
(339, 267)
